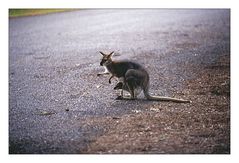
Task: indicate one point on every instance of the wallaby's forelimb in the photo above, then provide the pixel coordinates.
(103, 73)
(119, 86)
(111, 78)
(106, 72)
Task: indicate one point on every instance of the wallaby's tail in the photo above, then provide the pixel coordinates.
(163, 98)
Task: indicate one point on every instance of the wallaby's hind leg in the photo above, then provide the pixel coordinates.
(123, 87)
(119, 86)
(131, 83)
(146, 92)
(131, 91)
(134, 80)
(129, 86)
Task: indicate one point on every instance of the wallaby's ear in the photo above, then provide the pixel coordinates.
(102, 53)
(110, 55)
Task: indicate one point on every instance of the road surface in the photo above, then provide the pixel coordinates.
(54, 59)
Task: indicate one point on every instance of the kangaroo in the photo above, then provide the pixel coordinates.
(133, 78)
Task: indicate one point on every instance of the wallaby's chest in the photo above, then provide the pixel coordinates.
(119, 69)
(116, 70)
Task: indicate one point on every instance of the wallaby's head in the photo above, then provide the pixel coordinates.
(106, 59)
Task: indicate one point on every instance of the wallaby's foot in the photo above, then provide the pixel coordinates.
(119, 98)
(125, 98)
(132, 98)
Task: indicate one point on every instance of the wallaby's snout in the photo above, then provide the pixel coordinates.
(103, 60)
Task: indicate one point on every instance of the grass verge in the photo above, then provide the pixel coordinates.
(33, 12)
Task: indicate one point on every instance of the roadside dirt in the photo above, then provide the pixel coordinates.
(202, 127)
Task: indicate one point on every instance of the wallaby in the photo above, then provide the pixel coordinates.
(133, 78)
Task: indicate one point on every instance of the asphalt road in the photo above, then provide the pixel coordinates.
(54, 59)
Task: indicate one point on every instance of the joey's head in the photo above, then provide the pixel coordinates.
(106, 59)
